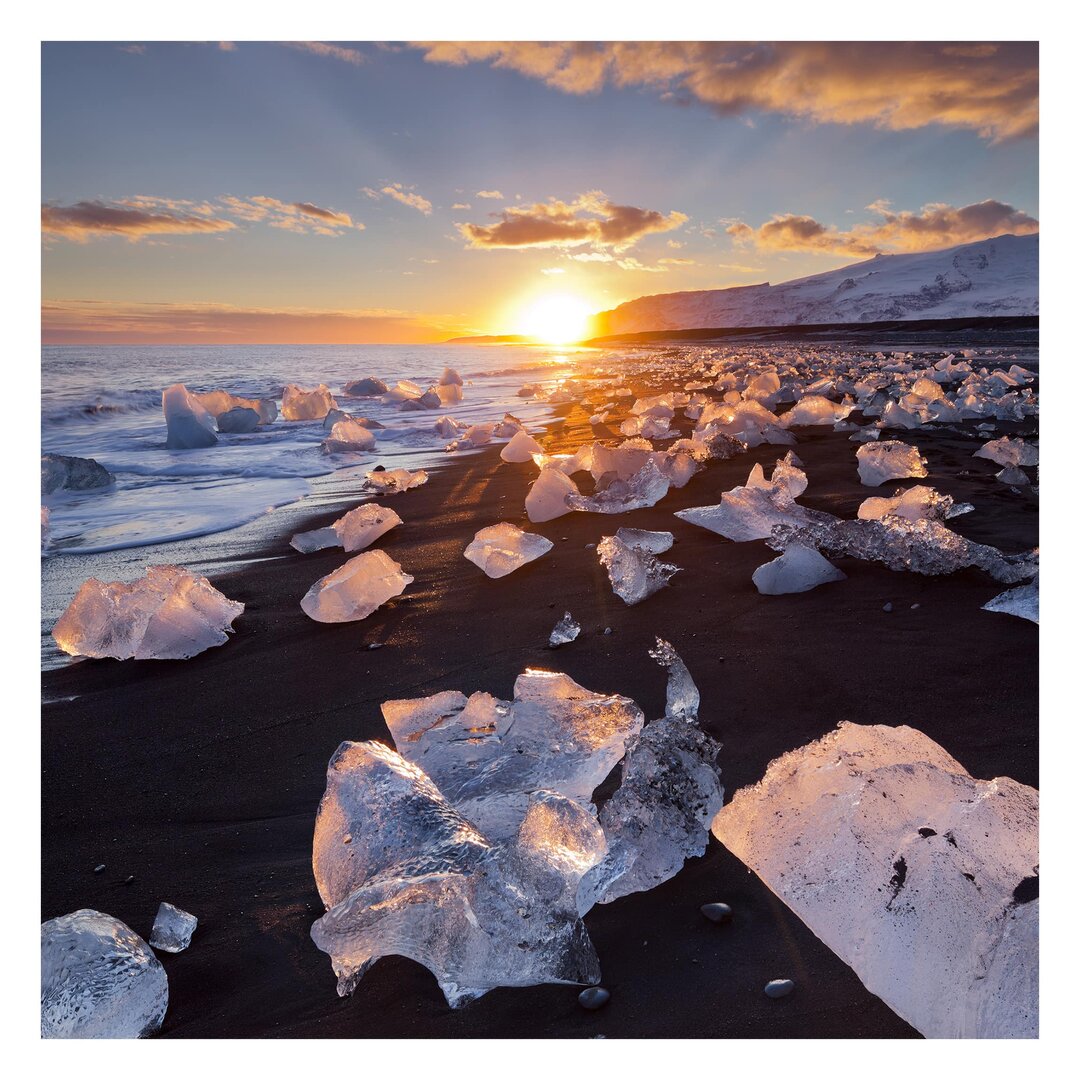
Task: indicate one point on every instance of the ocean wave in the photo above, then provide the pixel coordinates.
(112, 403)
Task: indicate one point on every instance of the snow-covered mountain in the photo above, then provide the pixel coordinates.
(987, 278)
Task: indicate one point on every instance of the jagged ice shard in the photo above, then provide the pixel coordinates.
(168, 615)
(669, 793)
(799, 569)
(486, 755)
(1022, 602)
(635, 573)
(565, 631)
(99, 980)
(394, 481)
(549, 495)
(354, 531)
(646, 487)
(501, 549)
(173, 928)
(189, 425)
(923, 546)
(889, 460)
(919, 876)
(914, 503)
(402, 872)
(355, 590)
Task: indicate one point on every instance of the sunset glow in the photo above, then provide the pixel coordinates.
(559, 319)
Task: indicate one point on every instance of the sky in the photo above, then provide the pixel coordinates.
(360, 192)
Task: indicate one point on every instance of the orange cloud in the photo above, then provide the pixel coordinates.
(590, 219)
(298, 217)
(936, 225)
(85, 220)
(324, 48)
(989, 88)
(105, 323)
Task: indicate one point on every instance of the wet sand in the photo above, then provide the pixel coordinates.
(202, 777)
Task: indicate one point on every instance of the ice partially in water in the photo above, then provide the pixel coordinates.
(909, 869)
(189, 425)
(298, 403)
(99, 980)
(501, 549)
(168, 615)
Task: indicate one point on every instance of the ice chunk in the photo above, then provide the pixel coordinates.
(923, 547)
(449, 394)
(813, 409)
(646, 540)
(521, 448)
(908, 869)
(914, 503)
(300, 404)
(500, 549)
(566, 630)
(1022, 601)
(44, 528)
(670, 791)
(403, 873)
(355, 590)
(549, 495)
(348, 435)
(1013, 476)
(799, 569)
(238, 421)
(486, 755)
(634, 571)
(219, 402)
(172, 929)
(395, 481)
(189, 425)
(369, 387)
(476, 435)
(752, 511)
(644, 488)
(168, 615)
(60, 472)
(360, 528)
(450, 378)
(889, 460)
(316, 540)
(99, 980)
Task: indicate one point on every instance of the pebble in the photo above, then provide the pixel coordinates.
(717, 913)
(607, 629)
(99, 868)
(887, 607)
(594, 998)
(915, 607)
(375, 645)
(779, 988)
(128, 880)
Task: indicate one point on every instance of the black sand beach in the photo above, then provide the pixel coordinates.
(201, 778)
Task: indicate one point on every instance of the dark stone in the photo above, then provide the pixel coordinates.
(596, 997)
(717, 913)
(779, 988)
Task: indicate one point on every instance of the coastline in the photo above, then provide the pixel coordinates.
(201, 777)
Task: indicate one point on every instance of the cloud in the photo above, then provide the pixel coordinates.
(461, 206)
(86, 220)
(678, 262)
(936, 225)
(227, 46)
(490, 195)
(992, 89)
(323, 48)
(103, 322)
(549, 270)
(407, 196)
(135, 50)
(155, 216)
(591, 219)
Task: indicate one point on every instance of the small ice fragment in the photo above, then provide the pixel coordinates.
(1022, 601)
(521, 448)
(450, 378)
(646, 540)
(300, 404)
(99, 980)
(1013, 476)
(238, 421)
(168, 615)
(566, 630)
(683, 697)
(634, 572)
(799, 569)
(316, 540)
(172, 929)
(500, 549)
(355, 590)
(394, 481)
(60, 472)
(889, 460)
(189, 425)
(548, 497)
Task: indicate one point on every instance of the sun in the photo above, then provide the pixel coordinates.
(556, 319)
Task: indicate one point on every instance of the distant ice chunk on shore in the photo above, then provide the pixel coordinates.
(402, 872)
(189, 426)
(62, 473)
(356, 589)
(395, 481)
(501, 549)
(635, 573)
(99, 980)
(300, 404)
(172, 930)
(168, 615)
(1022, 602)
(913, 872)
(889, 460)
(1009, 452)
(799, 569)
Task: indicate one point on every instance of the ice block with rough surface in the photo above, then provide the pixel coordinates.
(355, 590)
